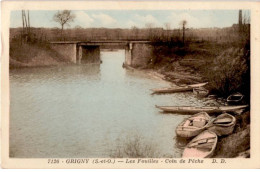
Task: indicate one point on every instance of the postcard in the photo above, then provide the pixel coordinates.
(130, 84)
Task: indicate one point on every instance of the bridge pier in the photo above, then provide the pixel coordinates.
(128, 54)
(67, 50)
(138, 54)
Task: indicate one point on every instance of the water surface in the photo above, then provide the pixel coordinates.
(90, 110)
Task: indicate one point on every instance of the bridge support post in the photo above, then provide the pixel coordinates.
(79, 54)
(141, 54)
(128, 54)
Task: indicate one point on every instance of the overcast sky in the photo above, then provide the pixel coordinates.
(138, 18)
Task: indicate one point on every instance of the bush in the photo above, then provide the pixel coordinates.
(134, 147)
(226, 73)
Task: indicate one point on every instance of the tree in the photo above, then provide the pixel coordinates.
(135, 32)
(64, 18)
(149, 27)
(183, 23)
(168, 28)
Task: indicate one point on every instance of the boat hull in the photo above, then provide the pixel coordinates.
(183, 130)
(188, 133)
(223, 129)
(206, 150)
(193, 110)
(235, 99)
(178, 89)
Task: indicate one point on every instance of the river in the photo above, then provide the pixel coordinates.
(91, 110)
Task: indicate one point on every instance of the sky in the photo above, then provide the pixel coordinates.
(130, 18)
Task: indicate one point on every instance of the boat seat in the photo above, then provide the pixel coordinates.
(187, 123)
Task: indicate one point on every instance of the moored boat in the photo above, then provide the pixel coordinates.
(200, 91)
(193, 110)
(224, 124)
(193, 125)
(177, 89)
(202, 146)
(235, 98)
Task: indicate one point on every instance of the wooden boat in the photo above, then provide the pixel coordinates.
(193, 125)
(200, 91)
(222, 125)
(235, 98)
(202, 146)
(193, 110)
(177, 89)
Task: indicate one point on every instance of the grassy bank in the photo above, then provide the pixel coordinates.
(225, 66)
(33, 54)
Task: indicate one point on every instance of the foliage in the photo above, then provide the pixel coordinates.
(226, 73)
(64, 17)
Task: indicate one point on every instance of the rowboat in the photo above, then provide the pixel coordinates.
(222, 125)
(193, 110)
(202, 146)
(235, 98)
(177, 89)
(193, 125)
(200, 91)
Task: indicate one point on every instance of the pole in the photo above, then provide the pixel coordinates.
(28, 21)
(23, 23)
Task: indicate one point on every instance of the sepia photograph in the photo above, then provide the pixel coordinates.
(130, 85)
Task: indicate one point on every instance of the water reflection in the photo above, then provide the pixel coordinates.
(64, 73)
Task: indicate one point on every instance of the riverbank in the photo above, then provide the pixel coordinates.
(33, 55)
(226, 68)
(235, 145)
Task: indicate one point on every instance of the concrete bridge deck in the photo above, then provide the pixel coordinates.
(101, 42)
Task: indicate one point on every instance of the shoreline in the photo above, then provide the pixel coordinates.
(227, 146)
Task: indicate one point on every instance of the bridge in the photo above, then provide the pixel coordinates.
(137, 52)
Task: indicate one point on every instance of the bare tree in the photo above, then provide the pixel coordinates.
(64, 18)
(26, 26)
(183, 24)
